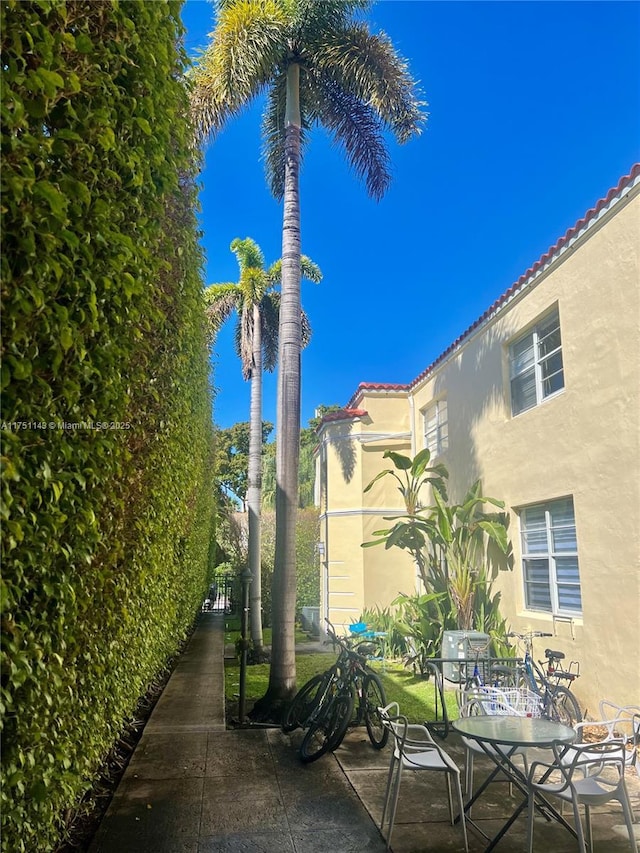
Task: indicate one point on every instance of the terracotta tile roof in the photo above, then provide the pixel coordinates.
(624, 183)
(345, 414)
(382, 386)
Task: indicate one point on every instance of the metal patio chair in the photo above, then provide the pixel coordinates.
(593, 777)
(414, 749)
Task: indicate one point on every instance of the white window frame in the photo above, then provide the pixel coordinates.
(437, 434)
(539, 360)
(551, 555)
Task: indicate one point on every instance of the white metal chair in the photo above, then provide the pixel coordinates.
(414, 749)
(593, 777)
(493, 700)
(622, 721)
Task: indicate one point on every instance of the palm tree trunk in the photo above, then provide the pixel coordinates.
(254, 486)
(282, 677)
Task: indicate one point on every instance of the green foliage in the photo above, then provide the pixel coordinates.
(413, 531)
(306, 470)
(307, 564)
(384, 619)
(232, 457)
(106, 504)
(449, 544)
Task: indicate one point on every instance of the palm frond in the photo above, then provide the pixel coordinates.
(221, 300)
(368, 66)
(244, 340)
(356, 128)
(254, 284)
(247, 43)
(270, 318)
(305, 328)
(248, 253)
(310, 270)
(310, 16)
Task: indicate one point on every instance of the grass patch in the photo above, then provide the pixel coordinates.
(414, 695)
(232, 632)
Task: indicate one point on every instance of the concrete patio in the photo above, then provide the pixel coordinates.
(194, 787)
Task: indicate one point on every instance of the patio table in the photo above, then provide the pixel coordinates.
(500, 737)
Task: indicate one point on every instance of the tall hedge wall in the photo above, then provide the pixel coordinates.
(106, 434)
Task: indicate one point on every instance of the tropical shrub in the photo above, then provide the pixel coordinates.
(385, 620)
(449, 544)
(308, 568)
(106, 437)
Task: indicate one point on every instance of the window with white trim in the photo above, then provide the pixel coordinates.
(436, 427)
(550, 558)
(536, 367)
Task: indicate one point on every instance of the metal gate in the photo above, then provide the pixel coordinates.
(222, 597)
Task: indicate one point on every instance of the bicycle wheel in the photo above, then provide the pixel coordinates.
(303, 703)
(373, 698)
(327, 731)
(564, 707)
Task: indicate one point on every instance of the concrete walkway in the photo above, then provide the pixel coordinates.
(193, 787)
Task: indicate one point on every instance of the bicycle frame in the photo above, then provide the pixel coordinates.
(539, 681)
(346, 674)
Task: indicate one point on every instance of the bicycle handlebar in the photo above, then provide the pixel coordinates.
(529, 635)
(343, 643)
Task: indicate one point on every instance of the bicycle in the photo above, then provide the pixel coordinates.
(348, 693)
(543, 678)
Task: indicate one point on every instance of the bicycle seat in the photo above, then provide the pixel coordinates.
(366, 649)
(549, 653)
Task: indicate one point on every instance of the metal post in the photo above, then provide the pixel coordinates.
(245, 578)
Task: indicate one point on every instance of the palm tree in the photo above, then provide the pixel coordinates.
(318, 64)
(257, 304)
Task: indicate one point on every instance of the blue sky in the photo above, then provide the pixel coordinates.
(534, 114)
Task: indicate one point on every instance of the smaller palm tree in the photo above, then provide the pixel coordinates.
(257, 303)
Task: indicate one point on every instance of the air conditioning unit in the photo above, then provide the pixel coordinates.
(464, 645)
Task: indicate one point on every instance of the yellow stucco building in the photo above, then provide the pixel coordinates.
(540, 399)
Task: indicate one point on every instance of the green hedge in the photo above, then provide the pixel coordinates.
(107, 499)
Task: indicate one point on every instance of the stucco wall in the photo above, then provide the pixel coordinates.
(583, 442)
(350, 455)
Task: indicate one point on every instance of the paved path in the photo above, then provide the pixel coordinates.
(193, 787)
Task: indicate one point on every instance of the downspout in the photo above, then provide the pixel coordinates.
(325, 561)
(412, 425)
(419, 586)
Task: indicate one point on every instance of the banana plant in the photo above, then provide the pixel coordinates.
(447, 541)
(460, 535)
(415, 528)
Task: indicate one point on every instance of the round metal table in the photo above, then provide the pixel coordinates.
(500, 737)
(514, 731)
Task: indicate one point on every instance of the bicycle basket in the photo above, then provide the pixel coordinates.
(510, 701)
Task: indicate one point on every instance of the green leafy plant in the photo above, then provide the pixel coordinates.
(385, 620)
(414, 530)
(458, 543)
(449, 545)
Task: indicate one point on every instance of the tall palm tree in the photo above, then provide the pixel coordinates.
(318, 64)
(257, 304)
